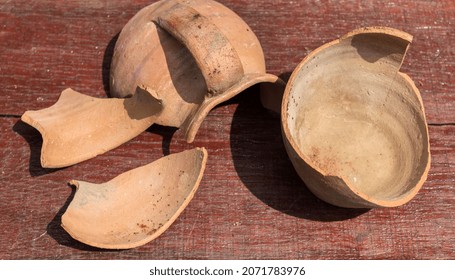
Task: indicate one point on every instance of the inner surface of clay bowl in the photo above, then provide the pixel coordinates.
(348, 112)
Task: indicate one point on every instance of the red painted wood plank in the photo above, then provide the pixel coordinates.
(251, 204)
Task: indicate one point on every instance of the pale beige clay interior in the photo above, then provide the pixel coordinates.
(137, 206)
(353, 115)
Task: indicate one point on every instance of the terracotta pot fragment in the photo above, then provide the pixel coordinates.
(194, 54)
(79, 127)
(354, 125)
(137, 206)
(188, 55)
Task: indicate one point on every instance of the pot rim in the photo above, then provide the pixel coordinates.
(403, 198)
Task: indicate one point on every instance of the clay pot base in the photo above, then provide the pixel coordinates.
(137, 206)
(350, 114)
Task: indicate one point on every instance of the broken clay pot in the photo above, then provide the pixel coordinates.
(137, 206)
(79, 127)
(354, 125)
(183, 57)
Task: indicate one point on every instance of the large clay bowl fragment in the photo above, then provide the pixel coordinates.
(194, 54)
(354, 125)
(137, 206)
(173, 62)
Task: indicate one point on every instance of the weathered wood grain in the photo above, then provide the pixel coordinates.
(251, 204)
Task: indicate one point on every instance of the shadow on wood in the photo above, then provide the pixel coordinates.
(262, 164)
(106, 66)
(35, 142)
(167, 133)
(55, 230)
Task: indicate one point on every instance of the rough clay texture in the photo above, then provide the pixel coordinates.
(137, 206)
(194, 54)
(354, 126)
(183, 54)
(79, 127)
(251, 204)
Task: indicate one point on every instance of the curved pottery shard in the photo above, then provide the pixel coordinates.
(79, 127)
(195, 54)
(137, 206)
(353, 125)
(189, 55)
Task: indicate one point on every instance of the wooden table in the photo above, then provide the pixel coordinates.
(251, 204)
